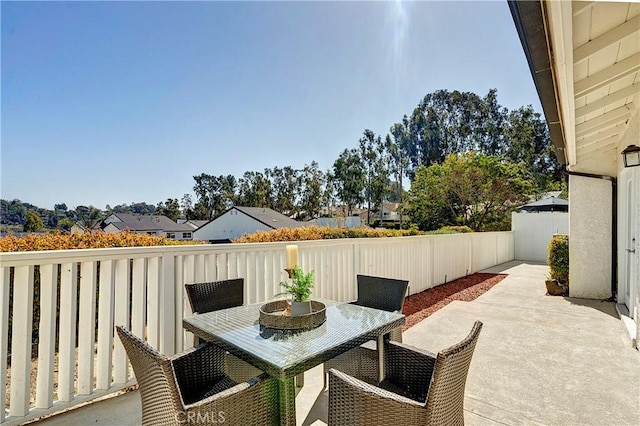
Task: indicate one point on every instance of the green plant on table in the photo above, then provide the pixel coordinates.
(300, 286)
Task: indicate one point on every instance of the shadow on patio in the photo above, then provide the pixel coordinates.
(539, 360)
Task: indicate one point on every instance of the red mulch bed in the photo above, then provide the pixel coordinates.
(420, 305)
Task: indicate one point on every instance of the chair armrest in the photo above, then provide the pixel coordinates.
(253, 382)
(410, 368)
(198, 367)
(354, 402)
(254, 402)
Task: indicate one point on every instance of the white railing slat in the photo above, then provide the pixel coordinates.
(4, 330)
(153, 302)
(21, 340)
(223, 268)
(139, 296)
(274, 276)
(47, 335)
(106, 303)
(183, 308)
(188, 269)
(87, 333)
(166, 315)
(68, 324)
(260, 277)
(121, 317)
(210, 269)
(199, 268)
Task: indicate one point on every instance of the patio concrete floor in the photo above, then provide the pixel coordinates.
(540, 360)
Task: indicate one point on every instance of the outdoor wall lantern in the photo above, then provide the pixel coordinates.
(631, 156)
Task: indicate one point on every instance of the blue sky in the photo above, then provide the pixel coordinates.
(121, 102)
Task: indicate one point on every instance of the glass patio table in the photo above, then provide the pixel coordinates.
(286, 353)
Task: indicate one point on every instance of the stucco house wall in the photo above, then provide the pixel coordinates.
(229, 226)
(590, 237)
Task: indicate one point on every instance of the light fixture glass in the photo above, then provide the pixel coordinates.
(631, 156)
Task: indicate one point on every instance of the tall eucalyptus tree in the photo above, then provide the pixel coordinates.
(311, 180)
(349, 176)
(369, 155)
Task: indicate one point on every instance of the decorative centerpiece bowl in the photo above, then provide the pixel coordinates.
(275, 315)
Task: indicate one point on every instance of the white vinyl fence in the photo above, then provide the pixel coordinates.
(65, 304)
(534, 230)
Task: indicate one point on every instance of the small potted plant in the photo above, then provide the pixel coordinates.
(557, 281)
(555, 287)
(300, 290)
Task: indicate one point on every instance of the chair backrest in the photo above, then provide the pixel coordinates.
(158, 392)
(216, 295)
(445, 400)
(386, 294)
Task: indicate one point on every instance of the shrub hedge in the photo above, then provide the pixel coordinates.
(558, 259)
(455, 229)
(61, 241)
(327, 233)
(320, 233)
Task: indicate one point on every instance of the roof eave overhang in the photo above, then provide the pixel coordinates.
(529, 19)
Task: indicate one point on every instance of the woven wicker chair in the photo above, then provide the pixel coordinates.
(386, 294)
(214, 296)
(191, 387)
(419, 389)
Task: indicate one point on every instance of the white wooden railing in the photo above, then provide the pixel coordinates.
(90, 291)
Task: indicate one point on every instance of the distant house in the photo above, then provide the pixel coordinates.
(195, 224)
(388, 212)
(152, 225)
(79, 228)
(239, 221)
(338, 222)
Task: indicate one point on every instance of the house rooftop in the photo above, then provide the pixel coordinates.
(270, 218)
(148, 223)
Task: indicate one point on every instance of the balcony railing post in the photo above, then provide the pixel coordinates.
(121, 317)
(68, 324)
(4, 329)
(178, 277)
(87, 333)
(21, 340)
(139, 296)
(47, 335)
(167, 305)
(106, 306)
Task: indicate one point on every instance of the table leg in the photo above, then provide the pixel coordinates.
(380, 348)
(287, 401)
(300, 380)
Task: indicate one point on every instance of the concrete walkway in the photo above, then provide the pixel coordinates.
(540, 360)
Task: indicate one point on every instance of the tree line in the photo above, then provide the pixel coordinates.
(16, 213)
(448, 133)
(444, 125)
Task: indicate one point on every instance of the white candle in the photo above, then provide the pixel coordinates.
(292, 256)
